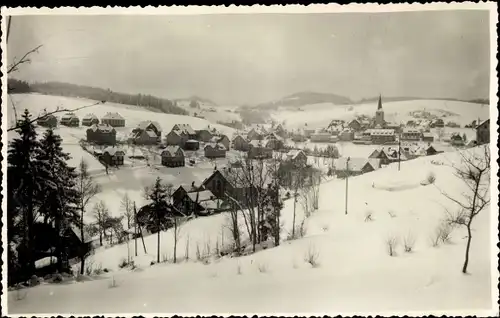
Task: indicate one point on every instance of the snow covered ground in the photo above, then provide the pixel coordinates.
(354, 273)
(320, 115)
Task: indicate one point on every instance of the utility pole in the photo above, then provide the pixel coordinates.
(399, 151)
(346, 182)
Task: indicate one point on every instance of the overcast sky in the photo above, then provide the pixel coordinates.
(255, 57)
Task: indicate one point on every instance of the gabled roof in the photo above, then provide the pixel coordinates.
(103, 128)
(113, 151)
(146, 123)
(355, 164)
(292, 154)
(215, 146)
(89, 116)
(114, 115)
(151, 133)
(69, 116)
(171, 151)
(186, 128)
(481, 124)
(201, 195)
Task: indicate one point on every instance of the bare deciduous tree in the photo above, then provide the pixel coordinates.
(474, 171)
(86, 189)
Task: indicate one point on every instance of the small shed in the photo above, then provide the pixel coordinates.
(113, 156)
(215, 150)
(192, 144)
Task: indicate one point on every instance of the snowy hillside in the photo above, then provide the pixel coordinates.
(133, 115)
(353, 273)
(320, 115)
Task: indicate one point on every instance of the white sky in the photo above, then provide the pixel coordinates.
(236, 59)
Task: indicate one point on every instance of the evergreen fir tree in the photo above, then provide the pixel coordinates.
(58, 197)
(23, 186)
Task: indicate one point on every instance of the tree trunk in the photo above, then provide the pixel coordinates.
(294, 207)
(158, 247)
(469, 239)
(82, 247)
(58, 244)
(175, 240)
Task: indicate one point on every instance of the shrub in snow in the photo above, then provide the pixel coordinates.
(311, 256)
(444, 231)
(34, 280)
(325, 228)
(431, 178)
(392, 243)
(299, 232)
(392, 214)
(262, 267)
(112, 282)
(409, 242)
(369, 216)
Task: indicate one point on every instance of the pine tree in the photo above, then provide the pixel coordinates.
(57, 197)
(157, 216)
(23, 187)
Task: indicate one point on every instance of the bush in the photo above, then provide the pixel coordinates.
(431, 178)
(369, 216)
(300, 231)
(392, 243)
(311, 256)
(409, 242)
(444, 231)
(262, 267)
(392, 214)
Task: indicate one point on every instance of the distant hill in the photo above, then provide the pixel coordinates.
(408, 98)
(99, 94)
(198, 99)
(306, 98)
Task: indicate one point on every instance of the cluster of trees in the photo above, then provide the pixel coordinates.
(43, 190)
(250, 117)
(99, 94)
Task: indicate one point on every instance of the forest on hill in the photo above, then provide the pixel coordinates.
(99, 94)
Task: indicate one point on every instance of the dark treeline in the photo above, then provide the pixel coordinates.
(98, 94)
(407, 98)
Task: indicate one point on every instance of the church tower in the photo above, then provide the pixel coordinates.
(379, 114)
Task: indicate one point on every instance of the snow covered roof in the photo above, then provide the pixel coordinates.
(215, 146)
(114, 115)
(292, 154)
(90, 116)
(382, 132)
(144, 125)
(171, 151)
(356, 164)
(186, 128)
(69, 116)
(104, 128)
(114, 151)
(201, 195)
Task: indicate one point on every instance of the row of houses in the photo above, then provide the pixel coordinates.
(71, 120)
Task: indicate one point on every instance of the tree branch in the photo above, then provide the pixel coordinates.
(58, 110)
(14, 66)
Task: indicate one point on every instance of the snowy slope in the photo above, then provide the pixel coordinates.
(355, 274)
(133, 115)
(320, 115)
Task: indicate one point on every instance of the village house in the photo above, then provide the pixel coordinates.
(255, 134)
(381, 155)
(176, 138)
(258, 150)
(101, 135)
(222, 139)
(456, 140)
(113, 119)
(49, 121)
(274, 141)
(70, 120)
(346, 135)
(89, 120)
(172, 156)
(204, 135)
(199, 202)
(297, 157)
(153, 126)
(437, 123)
(145, 137)
(483, 133)
(113, 156)
(382, 136)
(321, 137)
(430, 150)
(336, 123)
(355, 125)
(227, 182)
(182, 190)
(355, 166)
(280, 131)
(427, 137)
(187, 129)
(213, 151)
(192, 145)
(240, 143)
(411, 134)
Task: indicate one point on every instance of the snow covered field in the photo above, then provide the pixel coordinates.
(320, 115)
(354, 273)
